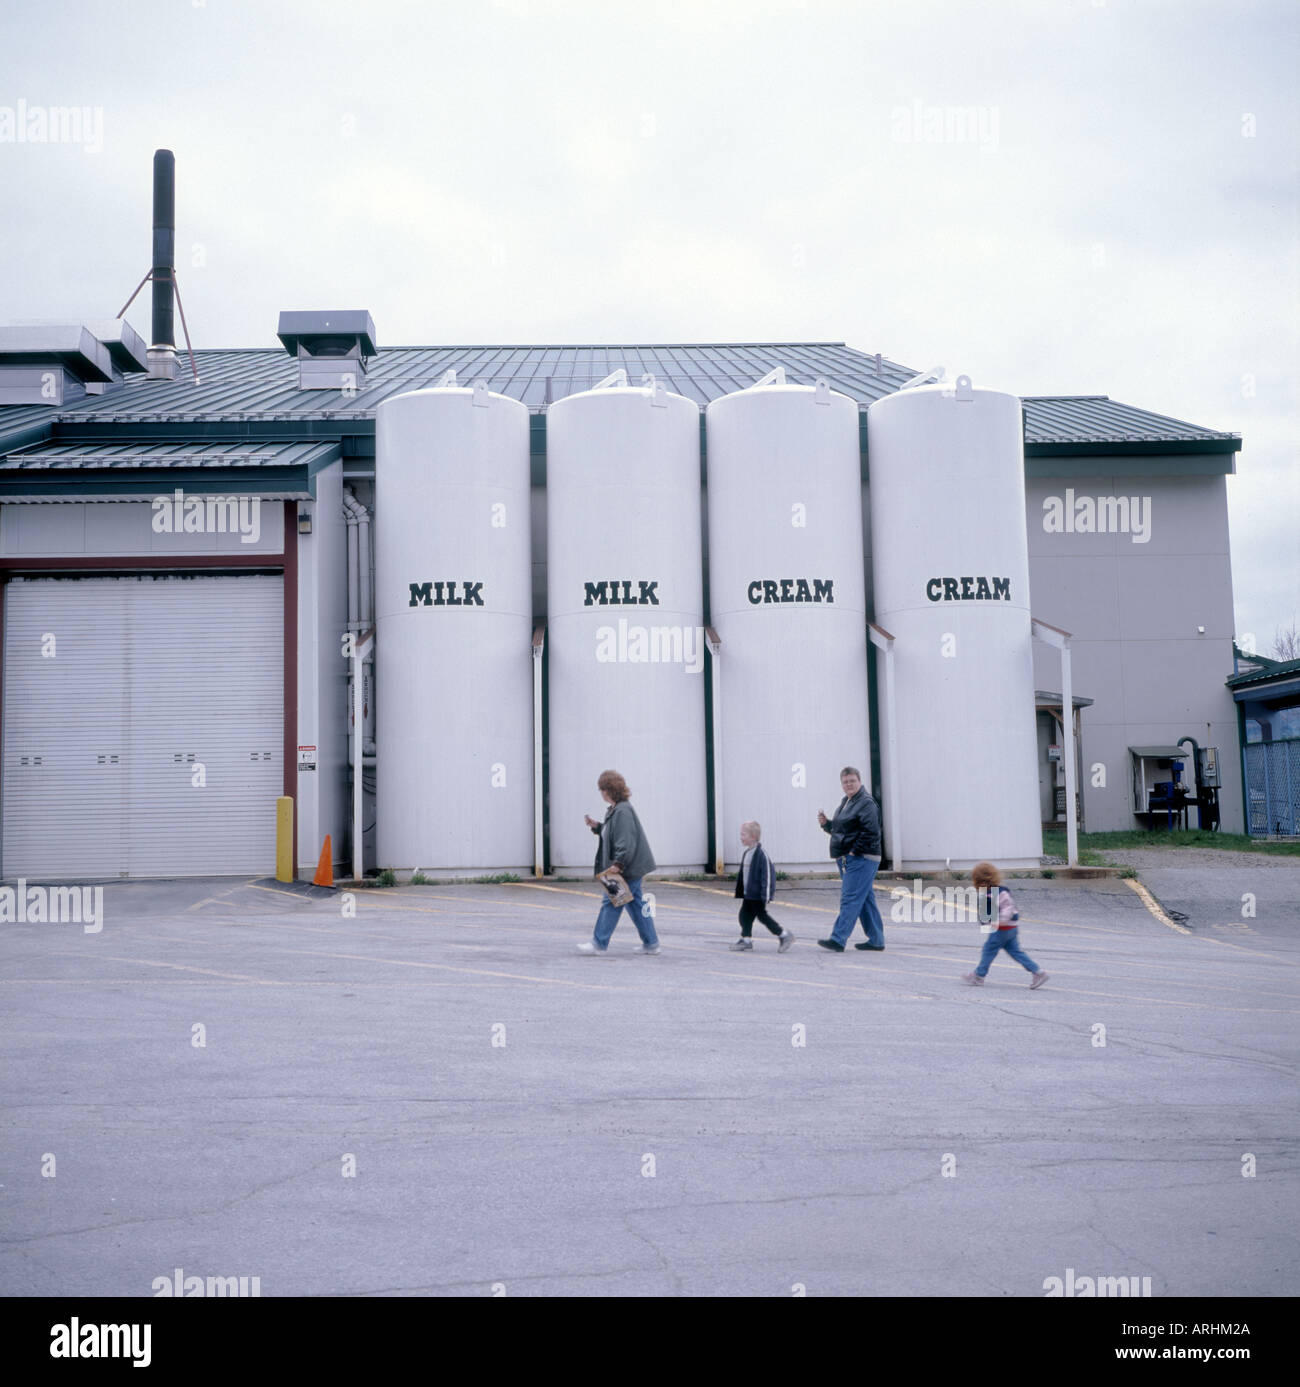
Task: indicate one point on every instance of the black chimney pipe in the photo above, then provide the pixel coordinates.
(164, 248)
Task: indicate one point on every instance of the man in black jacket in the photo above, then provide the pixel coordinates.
(855, 846)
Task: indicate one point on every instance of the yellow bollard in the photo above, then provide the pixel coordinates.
(284, 839)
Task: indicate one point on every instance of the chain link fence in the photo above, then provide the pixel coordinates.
(1273, 788)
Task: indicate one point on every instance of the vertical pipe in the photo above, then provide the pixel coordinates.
(353, 566)
(891, 790)
(289, 749)
(719, 829)
(164, 248)
(355, 737)
(365, 607)
(366, 618)
(1067, 751)
(539, 841)
(358, 768)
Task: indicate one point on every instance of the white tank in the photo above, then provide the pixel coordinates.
(453, 608)
(625, 621)
(951, 583)
(786, 597)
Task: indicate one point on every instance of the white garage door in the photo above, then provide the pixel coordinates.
(143, 725)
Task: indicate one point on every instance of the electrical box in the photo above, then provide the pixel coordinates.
(1209, 766)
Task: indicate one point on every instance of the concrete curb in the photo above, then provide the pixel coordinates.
(306, 889)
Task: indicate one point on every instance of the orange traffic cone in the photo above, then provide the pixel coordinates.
(325, 867)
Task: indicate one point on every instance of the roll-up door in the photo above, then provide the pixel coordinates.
(143, 725)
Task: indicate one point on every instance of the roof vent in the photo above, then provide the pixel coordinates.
(51, 365)
(126, 350)
(333, 347)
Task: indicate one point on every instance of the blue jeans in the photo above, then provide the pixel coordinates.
(858, 901)
(1008, 939)
(641, 918)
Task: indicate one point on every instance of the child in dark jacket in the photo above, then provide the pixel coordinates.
(755, 886)
(996, 904)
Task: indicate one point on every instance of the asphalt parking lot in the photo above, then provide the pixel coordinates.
(441, 1096)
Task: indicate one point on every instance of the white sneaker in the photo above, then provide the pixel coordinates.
(741, 945)
(646, 949)
(972, 979)
(589, 948)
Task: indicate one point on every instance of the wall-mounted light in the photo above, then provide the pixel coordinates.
(1200, 630)
(304, 522)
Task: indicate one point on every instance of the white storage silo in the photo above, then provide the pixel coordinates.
(951, 583)
(625, 620)
(453, 609)
(786, 596)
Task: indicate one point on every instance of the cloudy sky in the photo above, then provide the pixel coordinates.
(1055, 196)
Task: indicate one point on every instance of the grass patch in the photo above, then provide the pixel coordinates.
(1048, 873)
(1089, 856)
(419, 879)
(497, 879)
(387, 877)
(1091, 843)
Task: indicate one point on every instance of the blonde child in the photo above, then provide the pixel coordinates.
(755, 886)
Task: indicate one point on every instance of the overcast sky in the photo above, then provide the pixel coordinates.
(1057, 196)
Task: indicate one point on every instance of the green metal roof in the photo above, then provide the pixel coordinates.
(123, 468)
(1273, 670)
(136, 455)
(256, 393)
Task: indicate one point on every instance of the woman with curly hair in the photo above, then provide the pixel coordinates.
(623, 848)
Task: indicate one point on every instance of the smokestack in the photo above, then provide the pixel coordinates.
(162, 350)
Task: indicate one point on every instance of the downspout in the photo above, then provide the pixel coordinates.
(715, 677)
(350, 516)
(884, 642)
(365, 618)
(362, 651)
(539, 827)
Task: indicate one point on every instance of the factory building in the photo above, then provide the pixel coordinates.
(181, 562)
(427, 594)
